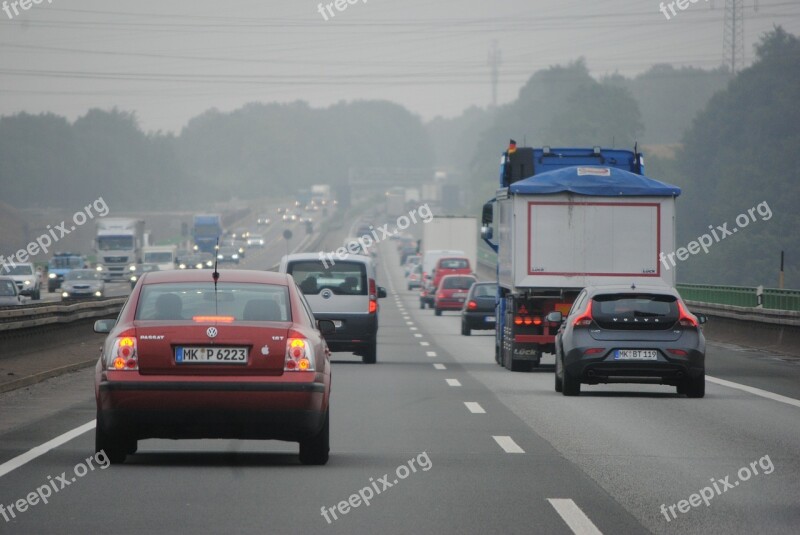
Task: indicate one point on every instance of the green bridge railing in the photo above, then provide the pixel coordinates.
(742, 296)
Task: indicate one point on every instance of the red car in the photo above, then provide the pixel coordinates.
(450, 265)
(190, 357)
(452, 292)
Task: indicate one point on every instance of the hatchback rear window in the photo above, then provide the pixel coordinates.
(639, 311)
(342, 278)
(457, 283)
(186, 300)
(454, 263)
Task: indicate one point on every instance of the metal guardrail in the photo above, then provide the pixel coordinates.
(742, 296)
(47, 314)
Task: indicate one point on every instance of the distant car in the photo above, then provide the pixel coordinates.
(345, 292)
(619, 334)
(414, 278)
(228, 254)
(9, 294)
(198, 261)
(263, 220)
(60, 265)
(411, 262)
(242, 359)
(83, 284)
(255, 240)
(450, 266)
(139, 269)
(478, 313)
(26, 278)
(452, 292)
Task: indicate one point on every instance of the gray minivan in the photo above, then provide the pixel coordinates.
(341, 289)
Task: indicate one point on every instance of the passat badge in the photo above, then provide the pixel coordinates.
(212, 332)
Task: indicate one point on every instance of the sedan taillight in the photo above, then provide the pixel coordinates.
(124, 355)
(299, 355)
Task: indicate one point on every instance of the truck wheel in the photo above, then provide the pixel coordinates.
(465, 330)
(571, 384)
(437, 311)
(422, 304)
(36, 295)
(696, 386)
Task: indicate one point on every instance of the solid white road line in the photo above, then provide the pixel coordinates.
(508, 444)
(41, 449)
(431, 353)
(577, 521)
(474, 408)
(439, 367)
(755, 391)
(453, 382)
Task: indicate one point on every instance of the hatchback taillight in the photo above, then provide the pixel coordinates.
(124, 355)
(584, 319)
(686, 319)
(299, 354)
(472, 305)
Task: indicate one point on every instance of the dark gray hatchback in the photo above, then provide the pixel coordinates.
(619, 334)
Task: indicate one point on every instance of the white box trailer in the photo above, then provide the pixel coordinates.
(565, 241)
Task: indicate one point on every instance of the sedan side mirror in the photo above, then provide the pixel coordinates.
(104, 326)
(555, 317)
(326, 326)
(381, 292)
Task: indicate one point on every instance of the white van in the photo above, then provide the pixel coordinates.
(343, 290)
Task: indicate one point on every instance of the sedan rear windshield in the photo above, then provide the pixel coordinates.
(342, 278)
(187, 300)
(635, 311)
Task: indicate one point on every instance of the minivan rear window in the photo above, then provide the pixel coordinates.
(639, 311)
(342, 278)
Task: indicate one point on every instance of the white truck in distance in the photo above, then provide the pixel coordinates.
(452, 232)
(119, 243)
(162, 255)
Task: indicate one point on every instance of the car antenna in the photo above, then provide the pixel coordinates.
(215, 276)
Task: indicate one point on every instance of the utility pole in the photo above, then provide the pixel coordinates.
(495, 60)
(733, 35)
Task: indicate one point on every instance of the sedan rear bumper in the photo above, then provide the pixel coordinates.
(207, 409)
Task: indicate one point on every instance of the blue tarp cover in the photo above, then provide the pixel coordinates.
(597, 181)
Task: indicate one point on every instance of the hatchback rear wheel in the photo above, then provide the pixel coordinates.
(696, 386)
(571, 385)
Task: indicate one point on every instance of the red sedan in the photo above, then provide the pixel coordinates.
(190, 357)
(452, 292)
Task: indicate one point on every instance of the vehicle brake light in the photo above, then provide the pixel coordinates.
(299, 354)
(213, 319)
(124, 354)
(527, 320)
(373, 292)
(537, 320)
(373, 306)
(584, 319)
(678, 352)
(686, 319)
(472, 305)
(517, 320)
(593, 351)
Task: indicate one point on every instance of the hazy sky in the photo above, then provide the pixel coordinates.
(169, 60)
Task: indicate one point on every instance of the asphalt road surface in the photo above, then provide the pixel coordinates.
(445, 441)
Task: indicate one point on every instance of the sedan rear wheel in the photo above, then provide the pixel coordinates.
(438, 311)
(465, 330)
(113, 446)
(316, 449)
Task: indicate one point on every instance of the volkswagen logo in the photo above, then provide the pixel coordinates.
(326, 293)
(212, 332)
